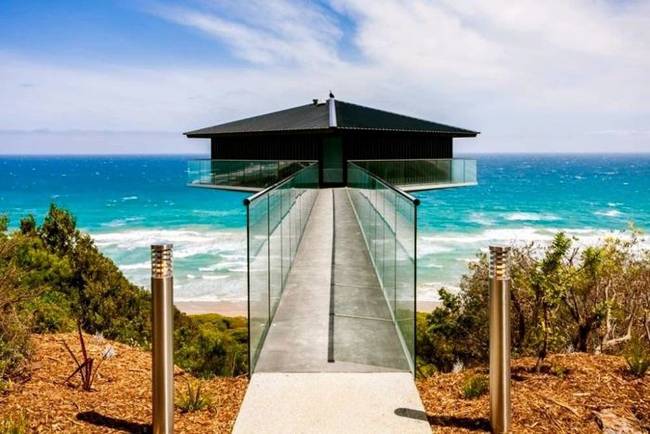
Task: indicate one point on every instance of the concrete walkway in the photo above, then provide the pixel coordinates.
(350, 403)
(332, 361)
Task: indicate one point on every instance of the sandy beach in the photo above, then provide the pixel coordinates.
(225, 308)
(238, 308)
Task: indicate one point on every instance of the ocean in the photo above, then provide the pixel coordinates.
(127, 202)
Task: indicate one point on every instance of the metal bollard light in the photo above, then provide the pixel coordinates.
(162, 285)
(500, 409)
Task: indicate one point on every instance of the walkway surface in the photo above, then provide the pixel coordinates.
(332, 360)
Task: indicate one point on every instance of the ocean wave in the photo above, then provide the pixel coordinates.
(481, 219)
(186, 242)
(227, 288)
(609, 213)
(225, 265)
(584, 236)
(122, 222)
(219, 213)
(531, 217)
(137, 266)
(126, 198)
(213, 277)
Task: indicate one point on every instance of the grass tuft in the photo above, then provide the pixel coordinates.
(193, 398)
(16, 424)
(637, 356)
(475, 386)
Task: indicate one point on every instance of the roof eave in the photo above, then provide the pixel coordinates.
(207, 135)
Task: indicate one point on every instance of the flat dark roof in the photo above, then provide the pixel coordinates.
(316, 117)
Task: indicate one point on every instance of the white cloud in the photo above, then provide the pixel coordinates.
(530, 75)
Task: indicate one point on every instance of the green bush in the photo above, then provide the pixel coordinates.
(637, 356)
(557, 303)
(52, 313)
(475, 386)
(53, 276)
(210, 344)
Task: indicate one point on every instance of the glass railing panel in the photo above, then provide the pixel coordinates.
(406, 173)
(405, 270)
(250, 174)
(258, 272)
(276, 219)
(388, 220)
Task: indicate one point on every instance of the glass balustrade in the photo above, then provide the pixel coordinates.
(388, 219)
(413, 175)
(276, 219)
(241, 174)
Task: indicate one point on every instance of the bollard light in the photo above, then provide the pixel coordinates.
(162, 345)
(500, 411)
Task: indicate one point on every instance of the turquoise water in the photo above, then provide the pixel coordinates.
(127, 203)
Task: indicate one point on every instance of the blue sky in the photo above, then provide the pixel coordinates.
(129, 76)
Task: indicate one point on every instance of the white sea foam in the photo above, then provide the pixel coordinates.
(137, 266)
(609, 213)
(452, 241)
(481, 219)
(213, 277)
(124, 199)
(186, 242)
(219, 213)
(122, 222)
(531, 217)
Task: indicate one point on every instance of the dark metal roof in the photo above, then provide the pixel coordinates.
(312, 117)
(355, 116)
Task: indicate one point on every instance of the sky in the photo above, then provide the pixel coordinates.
(130, 76)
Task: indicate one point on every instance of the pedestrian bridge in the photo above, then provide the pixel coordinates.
(331, 276)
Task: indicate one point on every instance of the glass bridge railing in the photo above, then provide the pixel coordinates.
(247, 175)
(275, 218)
(413, 175)
(388, 219)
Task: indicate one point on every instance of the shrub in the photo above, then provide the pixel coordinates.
(475, 386)
(53, 276)
(52, 313)
(209, 345)
(637, 356)
(193, 398)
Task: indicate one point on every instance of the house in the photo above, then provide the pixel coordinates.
(253, 153)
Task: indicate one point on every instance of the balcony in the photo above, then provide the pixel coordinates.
(417, 175)
(241, 175)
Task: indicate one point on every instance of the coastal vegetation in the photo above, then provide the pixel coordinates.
(564, 298)
(53, 277)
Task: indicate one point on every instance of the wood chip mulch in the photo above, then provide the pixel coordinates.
(121, 399)
(545, 402)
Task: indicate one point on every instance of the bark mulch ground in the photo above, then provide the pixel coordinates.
(121, 399)
(561, 399)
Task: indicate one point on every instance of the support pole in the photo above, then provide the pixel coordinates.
(162, 285)
(500, 409)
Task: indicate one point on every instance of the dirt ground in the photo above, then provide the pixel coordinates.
(121, 397)
(561, 399)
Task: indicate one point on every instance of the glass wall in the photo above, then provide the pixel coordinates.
(251, 174)
(406, 173)
(276, 219)
(388, 219)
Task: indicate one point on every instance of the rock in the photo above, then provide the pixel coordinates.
(611, 423)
